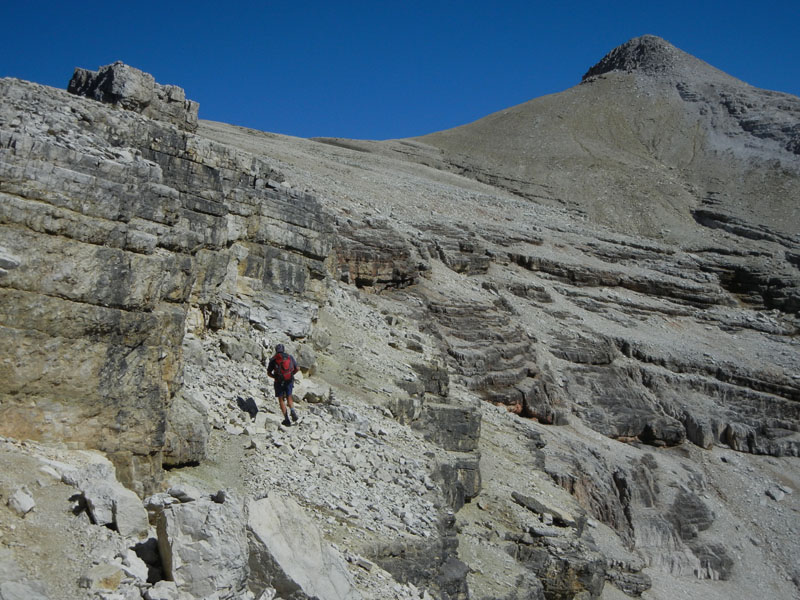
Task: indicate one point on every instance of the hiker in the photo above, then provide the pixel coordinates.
(282, 368)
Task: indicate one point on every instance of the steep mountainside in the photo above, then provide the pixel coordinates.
(651, 140)
(551, 354)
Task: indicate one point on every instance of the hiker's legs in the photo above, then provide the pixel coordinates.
(291, 409)
(282, 402)
(290, 398)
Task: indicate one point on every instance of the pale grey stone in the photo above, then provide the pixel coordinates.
(163, 590)
(107, 501)
(15, 590)
(289, 553)
(203, 546)
(187, 431)
(134, 566)
(7, 260)
(102, 577)
(136, 90)
(21, 502)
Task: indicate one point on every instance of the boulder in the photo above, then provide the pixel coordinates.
(21, 502)
(232, 348)
(187, 431)
(105, 499)
(306, 359)
(560, 516)
(203, 546)
(434, 377)
(460, 477)
(288, 553)
(105, 577)
(163, 590)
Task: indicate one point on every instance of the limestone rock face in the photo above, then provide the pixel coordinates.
(135, 90)
(371, 254)
(112, 225)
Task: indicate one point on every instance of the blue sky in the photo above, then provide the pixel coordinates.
(378, 69)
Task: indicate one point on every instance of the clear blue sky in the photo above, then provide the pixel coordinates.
(383, 69)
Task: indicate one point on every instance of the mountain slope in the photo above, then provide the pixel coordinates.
(649, 135)
(651, 140)
(503, 395)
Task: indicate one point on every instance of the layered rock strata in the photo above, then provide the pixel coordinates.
(641, 429)
(113, 223)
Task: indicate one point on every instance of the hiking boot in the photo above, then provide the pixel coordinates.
(294, 416)
(286, 422)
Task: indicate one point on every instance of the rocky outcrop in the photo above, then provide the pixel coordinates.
(432, 563)
(648, 54)
(461, 251)
(104, 499)
(132, 89)
(114, 224)
(371, 254)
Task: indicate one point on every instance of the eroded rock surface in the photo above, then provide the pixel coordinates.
(120, 222)
(570, 378)
(132, 89)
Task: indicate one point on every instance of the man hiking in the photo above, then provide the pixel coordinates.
(282, 368)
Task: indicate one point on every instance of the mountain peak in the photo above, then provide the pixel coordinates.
(648, 54)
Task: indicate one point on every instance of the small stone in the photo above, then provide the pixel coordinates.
(776, 494)
(364, 564)
(162, 590)
(21, 502)
(184, 493)
(254, 444)
(102, 577)
(134, 566)
(220, 497)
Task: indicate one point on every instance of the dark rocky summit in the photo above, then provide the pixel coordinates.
(551, 354)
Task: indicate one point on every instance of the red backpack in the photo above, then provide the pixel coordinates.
(284, 367)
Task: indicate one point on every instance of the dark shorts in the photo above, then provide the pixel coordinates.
(283, 388)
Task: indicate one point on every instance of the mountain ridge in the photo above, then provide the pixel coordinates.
(696, 132)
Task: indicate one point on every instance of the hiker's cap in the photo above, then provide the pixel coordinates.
(279, 348)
